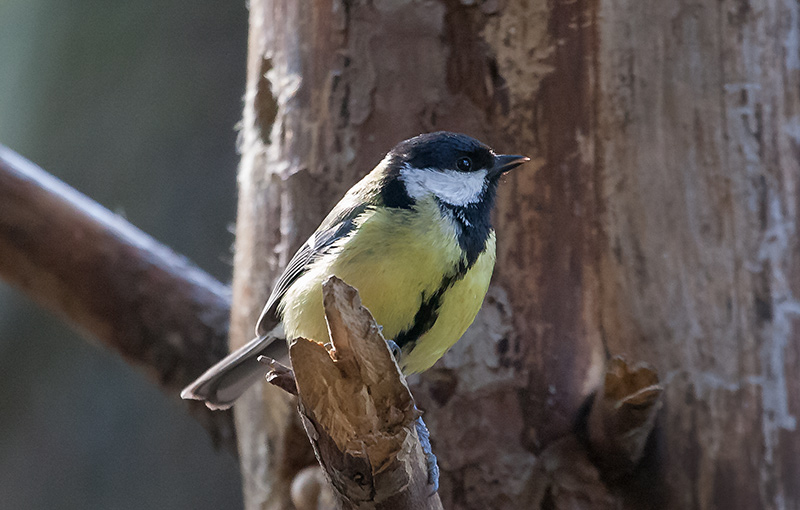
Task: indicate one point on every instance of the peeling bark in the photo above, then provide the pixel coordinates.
(701, 273)
(358, 411)
(659, 222)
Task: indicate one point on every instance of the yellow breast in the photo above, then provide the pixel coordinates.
(396, 258)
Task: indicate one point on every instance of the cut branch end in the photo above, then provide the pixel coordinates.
(358, 411)
(623, 415)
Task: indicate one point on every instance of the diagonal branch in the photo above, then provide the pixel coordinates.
(112, 282)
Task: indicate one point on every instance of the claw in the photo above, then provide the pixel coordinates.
(395, 349)
(430, 458)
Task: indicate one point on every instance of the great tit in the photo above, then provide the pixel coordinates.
(413, 236)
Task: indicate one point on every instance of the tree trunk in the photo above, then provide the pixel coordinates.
(700, 271)
(658, 221)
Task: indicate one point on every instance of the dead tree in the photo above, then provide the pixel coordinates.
(660, 224)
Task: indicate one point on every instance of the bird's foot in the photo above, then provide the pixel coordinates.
(395, 350)
(430, 458)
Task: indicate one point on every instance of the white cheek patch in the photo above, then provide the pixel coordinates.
(450, 186)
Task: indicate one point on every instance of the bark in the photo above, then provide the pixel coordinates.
(358, 412)
(658, 221)
(113, 282)
(701, 271)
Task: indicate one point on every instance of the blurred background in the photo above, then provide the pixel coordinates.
(134, 104)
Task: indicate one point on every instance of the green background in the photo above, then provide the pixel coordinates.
(135, 105)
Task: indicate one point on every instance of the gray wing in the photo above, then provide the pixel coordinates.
(317, 245)
(224, 382)
(366, 194)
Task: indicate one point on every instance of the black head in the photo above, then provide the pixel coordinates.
(458, 171)
(455, 169)
(444, 150)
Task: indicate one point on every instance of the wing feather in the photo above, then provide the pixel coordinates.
(334, 228)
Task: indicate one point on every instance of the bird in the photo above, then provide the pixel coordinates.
(414, 237)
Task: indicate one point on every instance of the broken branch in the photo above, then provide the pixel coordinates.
(622, 416)
(112, 281)
(358, 411)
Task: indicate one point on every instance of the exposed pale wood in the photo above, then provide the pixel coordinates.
(113, 282)
(358, 411)
(700, 274)
(661, 224)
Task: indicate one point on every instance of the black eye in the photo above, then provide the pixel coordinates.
(464, 164)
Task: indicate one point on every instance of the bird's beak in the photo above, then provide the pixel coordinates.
(505, 162)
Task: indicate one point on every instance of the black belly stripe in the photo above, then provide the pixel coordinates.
(428, 311)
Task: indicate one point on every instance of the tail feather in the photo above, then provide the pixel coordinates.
(224, 382)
